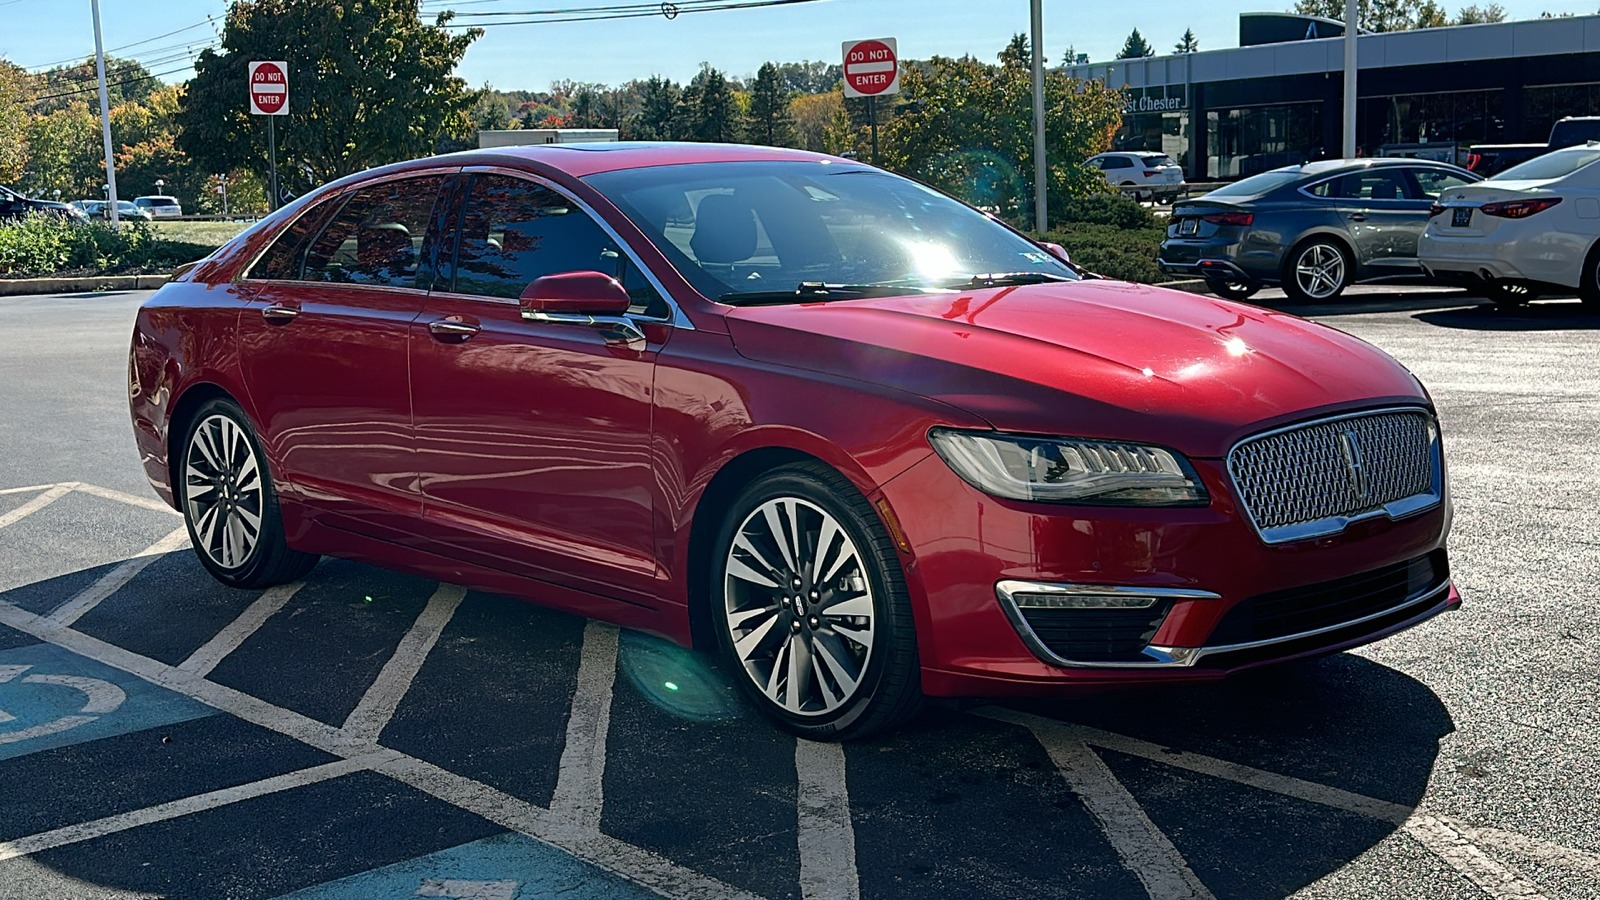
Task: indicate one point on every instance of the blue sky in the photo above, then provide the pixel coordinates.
(35, 33)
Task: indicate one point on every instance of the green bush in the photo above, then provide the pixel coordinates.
(45, 245)
(1119, 210)
(1126, 254)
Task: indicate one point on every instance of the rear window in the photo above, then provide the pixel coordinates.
(1256, 184)
(1577, 131)
(1552, 165)
(160, 201)
(1153, 161)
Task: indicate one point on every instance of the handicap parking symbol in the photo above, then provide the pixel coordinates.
(51, 697)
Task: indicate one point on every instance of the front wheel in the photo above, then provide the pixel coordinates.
(1317, 271)
(1589, 281)
(228, 501)
(811, 607)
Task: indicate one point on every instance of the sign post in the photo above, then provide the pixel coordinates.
(269, 96)
(871, 69)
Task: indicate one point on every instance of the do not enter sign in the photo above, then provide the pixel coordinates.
(269, 88)
(871, 68)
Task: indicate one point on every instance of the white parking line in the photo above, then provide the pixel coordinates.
(149, 503)
(580, 784)
(1456, 849)
(826, 835)
(112, 581)
(26, 490)
(227, 640)
(32, 506)
(1145, 850)
(84, 831)
(378, 704)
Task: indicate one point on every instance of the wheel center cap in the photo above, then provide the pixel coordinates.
(799, 605)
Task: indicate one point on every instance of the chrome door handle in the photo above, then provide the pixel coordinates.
(448, 329)
(1358, 217)
(277, 314)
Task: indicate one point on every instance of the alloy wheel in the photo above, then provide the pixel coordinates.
(1319, 272)
(799, 606)
(223, 495)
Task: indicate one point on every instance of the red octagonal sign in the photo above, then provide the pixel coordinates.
(871, 68)
(269, 88)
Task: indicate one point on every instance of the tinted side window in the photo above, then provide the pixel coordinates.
(1433, 182)
(1384, 184)
(377, 237)
(282, 260)
(514, 232)
(1116, 162)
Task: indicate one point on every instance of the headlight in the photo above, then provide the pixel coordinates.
(1067, 470)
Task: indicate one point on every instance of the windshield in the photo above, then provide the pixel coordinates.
(1551, 165)
(1257, 184)
(760, 228)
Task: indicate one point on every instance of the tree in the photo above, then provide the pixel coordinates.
(1188, 43)
(657, 118)
(770, 123)
(1073, 58)
(968, 130)
(1016, 53)
(1382, 15)
(711, 111)
(13, 123)
(370, 84)
(66, 154)
(127, 81)
(1135, 47)
(1481, 15)
(812, 114)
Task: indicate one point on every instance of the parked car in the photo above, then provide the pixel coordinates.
(126, 209)
(1144, 175)
(159, 206)
(1532, 229)
(1315, 229)
(1491, 159)
(864, 441)
(15, 206)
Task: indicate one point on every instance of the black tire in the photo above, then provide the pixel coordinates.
(1232, 290)
(217, 490)
(1508, 296)
(787, 618)
(1326, 255)
(1589, 281)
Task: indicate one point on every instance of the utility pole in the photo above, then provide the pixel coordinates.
(1349, 150)
(1040, 207)
(105, 116)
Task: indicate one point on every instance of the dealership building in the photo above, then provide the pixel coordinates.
(1277, 99)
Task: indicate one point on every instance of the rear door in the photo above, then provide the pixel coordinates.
(323, 350)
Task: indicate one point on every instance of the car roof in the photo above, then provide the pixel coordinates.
(1326, 166)
(580, 160)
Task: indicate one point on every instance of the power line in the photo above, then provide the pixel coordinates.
(90, 53)
(164, 56)
(94, 88)
(669, 10)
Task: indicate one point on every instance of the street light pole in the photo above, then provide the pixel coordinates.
(105, 115)
(1349, 79)
(1040, 209)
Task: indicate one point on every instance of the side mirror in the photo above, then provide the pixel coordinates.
(575, 293)
(1056, 250)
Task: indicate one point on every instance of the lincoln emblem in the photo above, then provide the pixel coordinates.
(1353, 465)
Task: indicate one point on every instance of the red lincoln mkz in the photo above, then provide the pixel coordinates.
(868, 442)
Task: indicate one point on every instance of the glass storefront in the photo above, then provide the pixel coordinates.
(1543, 106)
(1157, 120)
(1245, 141)
(1430, 125)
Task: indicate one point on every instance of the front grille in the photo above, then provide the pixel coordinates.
(1298, 610)
(1310, 480)
(1097, 635)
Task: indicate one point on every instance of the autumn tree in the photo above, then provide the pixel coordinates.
(770, 123)
(13, 122)
(1395, 15)
(812, 114)
(1481, 15)
(1135, 47)
(370, 83)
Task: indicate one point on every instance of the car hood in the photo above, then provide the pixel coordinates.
(1090, 359)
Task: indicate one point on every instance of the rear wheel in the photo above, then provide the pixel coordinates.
(228, 501)
(1589, 281)
(1317, 271)
(811, 607)
(1509, 296)
(1232, 290)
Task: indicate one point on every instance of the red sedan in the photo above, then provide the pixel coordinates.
(868, 443)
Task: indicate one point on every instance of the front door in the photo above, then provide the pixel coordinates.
(1385, 217)
(534, 437)
(323, 349)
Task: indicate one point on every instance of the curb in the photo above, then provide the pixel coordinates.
(1193, 286)
(19, 286)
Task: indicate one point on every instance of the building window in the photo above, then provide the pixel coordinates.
(1543, 106)
(1250, 140)
(1156, 120)
(1413, 124)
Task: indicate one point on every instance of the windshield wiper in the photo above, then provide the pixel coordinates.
(1008, 279)
(820, 291)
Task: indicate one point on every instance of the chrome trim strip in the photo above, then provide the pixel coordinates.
(677, 319)
(1199, 653)
(626, 329)
(1397, 509)
(1160, 657)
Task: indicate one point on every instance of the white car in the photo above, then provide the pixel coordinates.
(159, 206)
(1532, 229)
(1145, 175)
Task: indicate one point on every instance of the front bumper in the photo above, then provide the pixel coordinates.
(1204, 563)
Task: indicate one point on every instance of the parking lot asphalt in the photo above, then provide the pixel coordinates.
(364, 733)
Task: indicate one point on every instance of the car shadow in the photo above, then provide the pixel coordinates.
(1541, 315)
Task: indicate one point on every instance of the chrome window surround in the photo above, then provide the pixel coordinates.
(1396, 509)
(1008, 590)
(1404, 167)
(676, 318)
(1171, 657)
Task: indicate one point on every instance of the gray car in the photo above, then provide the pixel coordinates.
(1315, 228)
